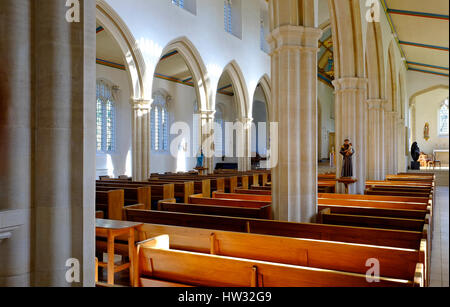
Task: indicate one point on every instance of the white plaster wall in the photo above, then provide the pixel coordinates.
(427, 108)
(119, 162)
(326, 100)
(155, 24)
(181, 109)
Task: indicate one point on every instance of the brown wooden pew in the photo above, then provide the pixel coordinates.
(196, 269)
(256, 197)
(245, 212)
(254, 192)
(264, 206)
(158, 191)
(132, 194)
(358, 235)
(216, 183)
(110, 203)
(327, 217)
(394, 262)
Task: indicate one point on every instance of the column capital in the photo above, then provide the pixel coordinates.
(140, 103)
(294, 37)
(376, 104)
(350, 84)
(207, 114)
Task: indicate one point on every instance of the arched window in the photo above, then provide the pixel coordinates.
(219, 135)
(443, 118)
(106, 117)
(159, 124)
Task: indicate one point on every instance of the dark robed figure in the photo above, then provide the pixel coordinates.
(347, 152)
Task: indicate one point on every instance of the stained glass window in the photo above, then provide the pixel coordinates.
(179, 3)
(106, 118)
(443, 118)
(159, 121)
(228, 16)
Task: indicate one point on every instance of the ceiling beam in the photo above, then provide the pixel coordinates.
(427, 65)
(423, 45)
(99, 29)
(428, 72)
(418, 14)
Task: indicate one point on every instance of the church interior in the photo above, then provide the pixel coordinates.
(224, 143)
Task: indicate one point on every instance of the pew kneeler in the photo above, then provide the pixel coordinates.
(110, 229)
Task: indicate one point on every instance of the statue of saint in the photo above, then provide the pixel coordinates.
(347, 152)
(200, 160)
(415, 152)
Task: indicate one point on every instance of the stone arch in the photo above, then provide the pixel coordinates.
(196, 66)
(375, 62)
(240, 89)
(424, 91)
(265, 85)
(346, 28)
(391, 81)
(133, 58)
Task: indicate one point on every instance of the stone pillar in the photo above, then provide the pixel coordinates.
(350, 123)
(207, 138)
(245, 163)
(413, 122)
(402, 156)
(141, 142)
(16, 141)
(64, 139)
(391, 142)
(294, 96)
(375, 140)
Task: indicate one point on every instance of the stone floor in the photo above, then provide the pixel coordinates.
(439, 258)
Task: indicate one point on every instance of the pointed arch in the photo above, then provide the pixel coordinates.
(196, 66)
(375, 62)
(239, 87)
(135, 65)
(346, 27)
(265, 85)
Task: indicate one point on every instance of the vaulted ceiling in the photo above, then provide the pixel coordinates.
(421, 27)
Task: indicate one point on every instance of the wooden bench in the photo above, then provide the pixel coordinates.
(157, 191)
(221, 210)
(110, 203)
(358, 235)
(158, 262)
(132, 194)
(256, 197)
(264, 206)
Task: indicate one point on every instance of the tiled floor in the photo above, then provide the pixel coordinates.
(439, 258)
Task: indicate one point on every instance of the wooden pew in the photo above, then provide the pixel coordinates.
(201, 186)
(371, 236)
(394, 262)
(327, 217)
(110, 202)
(256, 197)
(158, 192)
(216, 183)
(245, 212)
(254, 192)
(132, 194)
(198, 269)
(264, 206)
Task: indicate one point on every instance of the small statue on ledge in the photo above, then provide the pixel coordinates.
(347, 152)
(200, 160)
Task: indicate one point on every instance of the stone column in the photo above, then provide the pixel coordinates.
(207, 138)
(390, 142)
(64, 139)
(402, 156)
(375, 139)
(294, 96)
(245, 161)
(350, 123)
(141, 143)
(413, 122)
(16, 141)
